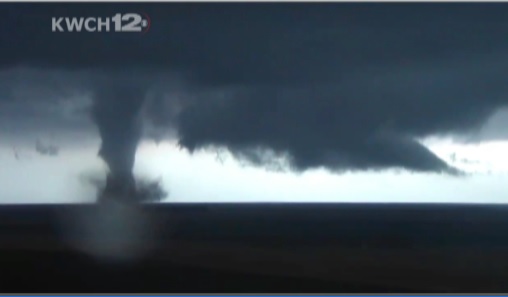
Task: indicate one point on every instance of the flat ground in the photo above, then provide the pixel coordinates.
(265, 248)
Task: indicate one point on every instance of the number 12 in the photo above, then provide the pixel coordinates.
(133, 22)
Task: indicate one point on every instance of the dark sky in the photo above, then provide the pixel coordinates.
(337, 85)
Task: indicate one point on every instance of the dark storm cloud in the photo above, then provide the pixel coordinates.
(368, 120)
(344, 86)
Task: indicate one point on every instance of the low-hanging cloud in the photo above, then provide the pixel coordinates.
(340, 86)
(46, 150)
(370, 120)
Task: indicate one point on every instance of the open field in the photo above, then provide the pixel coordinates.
(267, 248)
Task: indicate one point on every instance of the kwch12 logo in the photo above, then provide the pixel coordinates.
(128, 22)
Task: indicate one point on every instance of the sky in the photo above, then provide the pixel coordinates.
(335, 102)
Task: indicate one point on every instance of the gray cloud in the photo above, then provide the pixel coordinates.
(340, 86)
(46, 149)
(366, 121)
